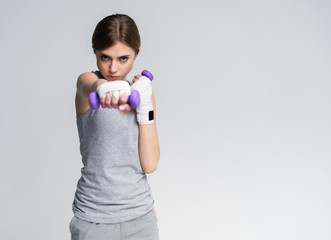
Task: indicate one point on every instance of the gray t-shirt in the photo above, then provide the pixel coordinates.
(112, 188)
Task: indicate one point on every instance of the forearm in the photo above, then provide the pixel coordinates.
(149, 149)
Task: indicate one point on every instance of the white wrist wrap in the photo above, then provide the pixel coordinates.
(145, 111)
(114, 88)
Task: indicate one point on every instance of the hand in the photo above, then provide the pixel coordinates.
(136, 78)
(145, 111)
(114, 94)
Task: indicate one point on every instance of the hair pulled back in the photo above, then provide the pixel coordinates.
(114, 28)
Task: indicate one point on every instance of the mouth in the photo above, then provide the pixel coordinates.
(114, 77)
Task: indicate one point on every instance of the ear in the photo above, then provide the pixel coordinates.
(138, 51)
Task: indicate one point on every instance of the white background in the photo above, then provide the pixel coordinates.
(243, 112)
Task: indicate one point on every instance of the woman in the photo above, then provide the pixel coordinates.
(119, 145)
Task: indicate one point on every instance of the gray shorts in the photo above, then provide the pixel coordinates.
(143, 228)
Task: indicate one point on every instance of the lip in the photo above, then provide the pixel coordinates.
(114, 77)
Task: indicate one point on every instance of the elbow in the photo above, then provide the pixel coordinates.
(149, 170)
(151, 166)
(149, 160)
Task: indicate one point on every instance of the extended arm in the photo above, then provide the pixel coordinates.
(88, 82)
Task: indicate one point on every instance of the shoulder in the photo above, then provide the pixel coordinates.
(86, 76)
(85, 79)
(84, 85)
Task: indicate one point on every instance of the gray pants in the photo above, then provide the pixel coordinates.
(143, 228)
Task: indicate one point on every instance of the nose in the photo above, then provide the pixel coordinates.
(113, 67)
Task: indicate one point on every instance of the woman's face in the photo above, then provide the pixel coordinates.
(115, 62)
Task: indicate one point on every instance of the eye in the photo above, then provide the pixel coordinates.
(124, 59)
(104, 57)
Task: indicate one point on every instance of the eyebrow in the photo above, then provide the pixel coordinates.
(103, 54)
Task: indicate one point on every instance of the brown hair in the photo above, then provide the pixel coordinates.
(114, 28)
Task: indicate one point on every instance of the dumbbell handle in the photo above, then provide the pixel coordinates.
(133, 100)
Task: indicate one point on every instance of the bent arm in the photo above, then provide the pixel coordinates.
(149, 149)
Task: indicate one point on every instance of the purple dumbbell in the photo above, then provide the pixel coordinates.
(133, 100)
